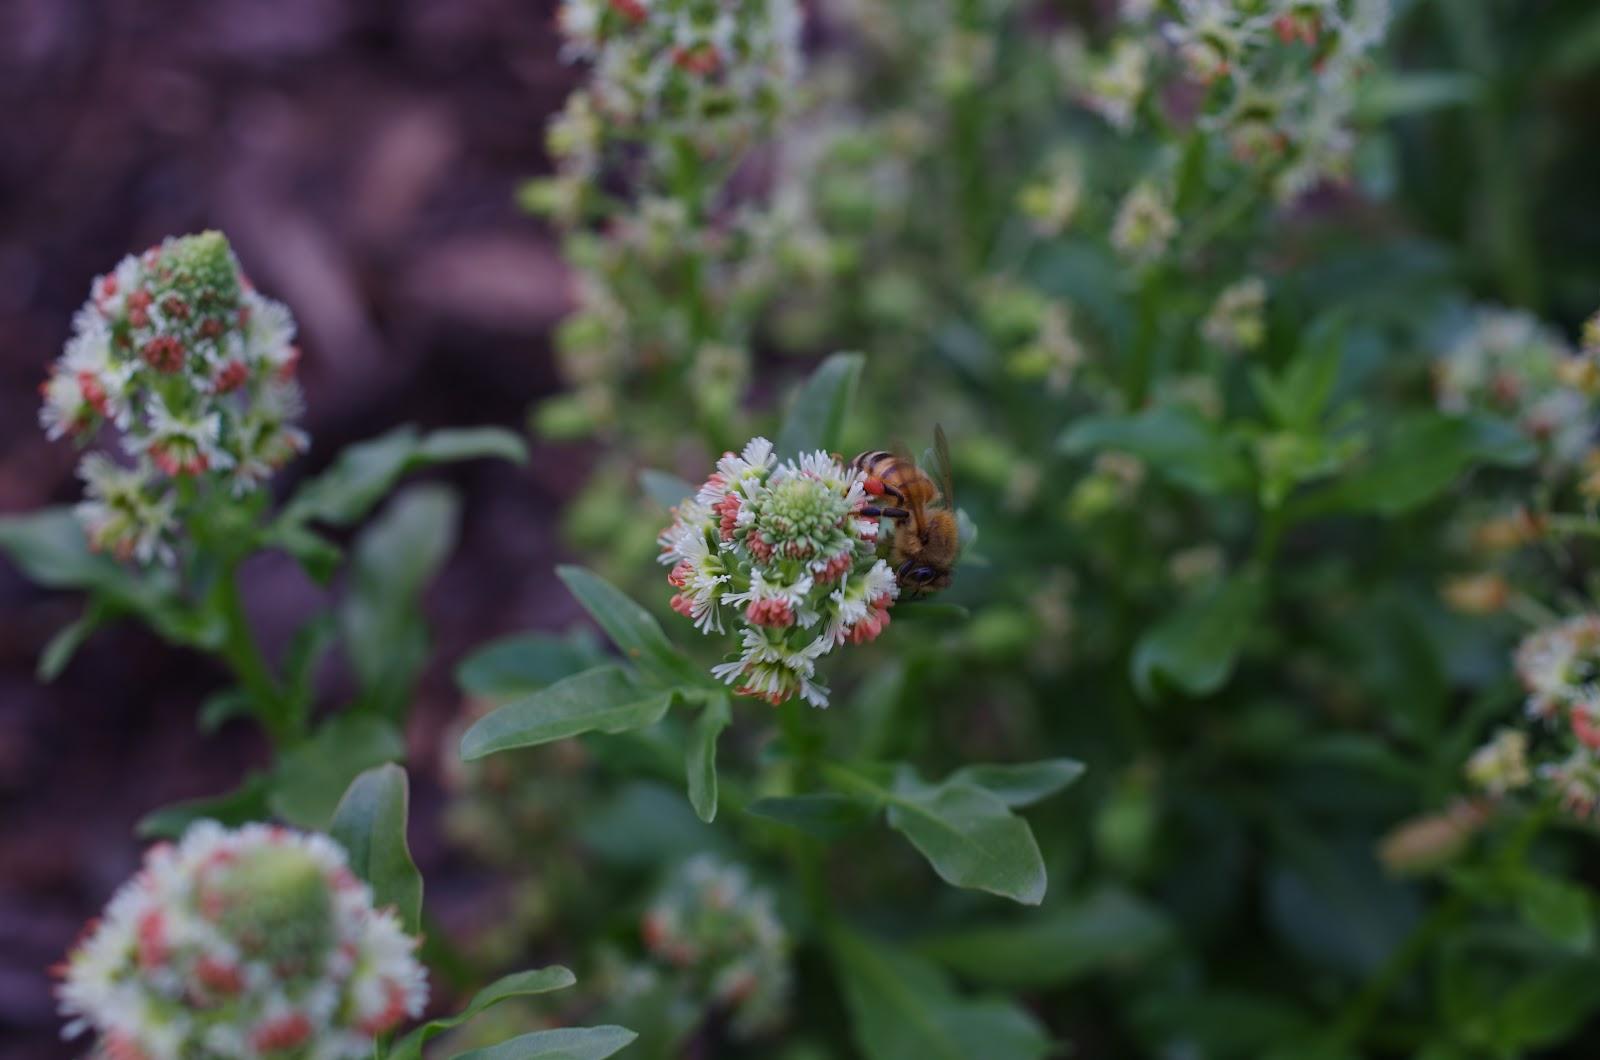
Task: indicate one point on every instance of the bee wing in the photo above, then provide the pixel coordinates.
(941, 452)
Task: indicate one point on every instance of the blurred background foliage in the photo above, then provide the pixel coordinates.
(1222, 566)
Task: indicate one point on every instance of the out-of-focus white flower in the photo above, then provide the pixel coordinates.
(714, 72)
(1115, 85)
(249, 944)
(1237, 320)
(1559, 666)
(722, 935)
(786, 549)
(122, 513)
(1501, 765)
(1145, 224)
(1506, 361)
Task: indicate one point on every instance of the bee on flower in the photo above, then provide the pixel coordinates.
(788, 554)
(244, 944)
(177, 353)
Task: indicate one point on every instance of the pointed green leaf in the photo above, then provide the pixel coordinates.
(816, 419)
(569, 1043)
(1023, 783)
(632, 629)
(523, 663)
(1175, 442)
(455, 444)
(395, 560)
(604, 699)
(1108, 929)
(67, 640)
(370, 823)
(1421, 456)
(970, 837)
(1195, 647)
(311, 778)
(517, 984)
(669, 491)
(903, 1008)
(223, 706)
(702, 757)
(366, 471)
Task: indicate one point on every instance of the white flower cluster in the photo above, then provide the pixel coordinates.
(1237, 320)
(713, 925)
(701, 67)
(1559, 667)
(1279, 77)
(1507, 362)
(235, 945)
(788, 551)
(177, 352)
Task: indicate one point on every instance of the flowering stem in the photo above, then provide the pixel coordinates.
(244, 656)
(1359, 1014)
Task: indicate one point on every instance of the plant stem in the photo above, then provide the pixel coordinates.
(244, 656)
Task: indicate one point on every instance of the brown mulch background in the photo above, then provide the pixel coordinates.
(363, 158)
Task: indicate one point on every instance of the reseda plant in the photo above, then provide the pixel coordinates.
(254, 941)
(262, 942)
(179, 380)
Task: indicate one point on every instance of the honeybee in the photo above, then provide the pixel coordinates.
(927, 537)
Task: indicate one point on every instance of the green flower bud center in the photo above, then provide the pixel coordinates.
(801, 510)
(278, 907)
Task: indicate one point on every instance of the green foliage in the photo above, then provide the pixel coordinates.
(370, 823)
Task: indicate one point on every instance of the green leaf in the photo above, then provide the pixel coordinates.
(317, 556)
(523, 663)
(366, 471)
(631, 628)
(1175, 442)
(223, 706)
(517, 984)
(701, 761)
(49, 546)
(669, 491)
(395, 559)
(903, 1008)
(1297, 398)
(816, 419)
(1195, 647)
(1392, 94)
(244, 804)
(370, 823)
(969, 836)
(456, 444)
(1421, 457)
(1560, 911)
(569, 1043)
(306, 649)
(825, 816)
(1022, 784)
(604, 699)
(1110, 930)
(67, 640)
(311, 777)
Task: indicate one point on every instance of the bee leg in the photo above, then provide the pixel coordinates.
(885, 513)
